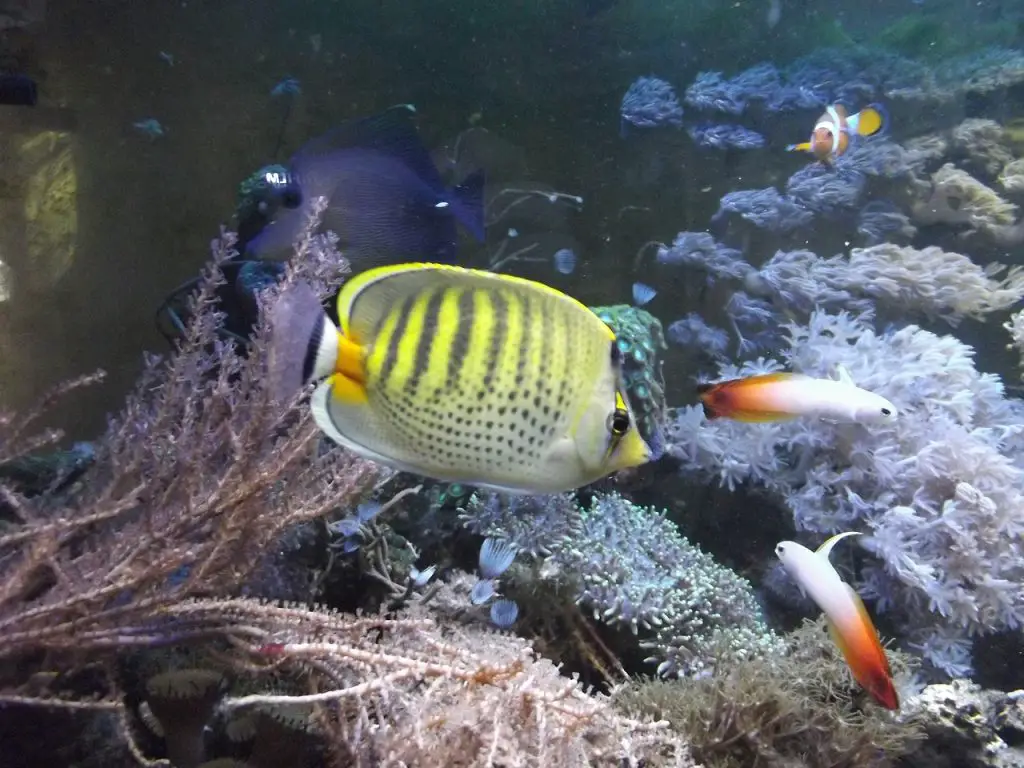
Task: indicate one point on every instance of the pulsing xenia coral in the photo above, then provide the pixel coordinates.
(937, 492)
(651, 102)
(629, 565)
(929, 282)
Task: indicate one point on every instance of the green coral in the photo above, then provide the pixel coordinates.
(797, 708)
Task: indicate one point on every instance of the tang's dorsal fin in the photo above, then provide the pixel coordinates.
(391, 132)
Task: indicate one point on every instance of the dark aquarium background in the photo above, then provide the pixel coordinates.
(137, 211)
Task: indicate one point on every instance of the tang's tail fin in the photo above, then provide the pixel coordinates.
(869, 121)
(303, 342)
(804, 146)
(468, 204)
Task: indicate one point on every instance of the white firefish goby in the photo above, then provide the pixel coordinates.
(848, 620)
(780, 396)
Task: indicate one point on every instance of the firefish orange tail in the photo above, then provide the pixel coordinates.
(753, 399)
(869, 120)
(865, 655)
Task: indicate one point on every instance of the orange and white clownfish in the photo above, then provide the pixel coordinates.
(847, 618)
(782, 396)
(831, 135)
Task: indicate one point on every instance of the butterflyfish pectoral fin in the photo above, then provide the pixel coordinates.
(857, 639)
(804, 146)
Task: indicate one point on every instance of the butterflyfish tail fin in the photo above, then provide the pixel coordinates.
(304, 343)
(858, 641)
(869, 121)
(804, 146)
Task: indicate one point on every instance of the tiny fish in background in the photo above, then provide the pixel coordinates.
(783, 396)
(386, 199)
(150, 127)
(848, 620)
(774, 13)
(565, 261)
(288, 87)
(831, 135)
(168, 57)
(643, 294)
(461, 375)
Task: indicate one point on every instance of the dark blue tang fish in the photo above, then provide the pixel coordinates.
(386, 198)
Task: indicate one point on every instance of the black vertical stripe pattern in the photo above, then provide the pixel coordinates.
(428, 332)
(499, 335)
(404, 309)
(460, 343)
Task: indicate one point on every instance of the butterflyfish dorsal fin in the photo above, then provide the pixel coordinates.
(366, 299)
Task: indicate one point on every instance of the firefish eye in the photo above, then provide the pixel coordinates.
(886, 412)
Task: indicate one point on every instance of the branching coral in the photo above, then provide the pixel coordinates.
(407, 692)
(195, 479)
(937, 491)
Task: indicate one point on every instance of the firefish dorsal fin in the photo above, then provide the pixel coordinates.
(843, 375)
(826, 548)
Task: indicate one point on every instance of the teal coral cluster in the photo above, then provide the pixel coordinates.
(628, 565)
(641, 341)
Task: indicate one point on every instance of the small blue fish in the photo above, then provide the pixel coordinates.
(168, 57)
(289, 86)
(150, 127)
(385, 197)
(643, 294)
(565, 261)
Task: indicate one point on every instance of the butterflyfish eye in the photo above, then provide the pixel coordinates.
(618, 422)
